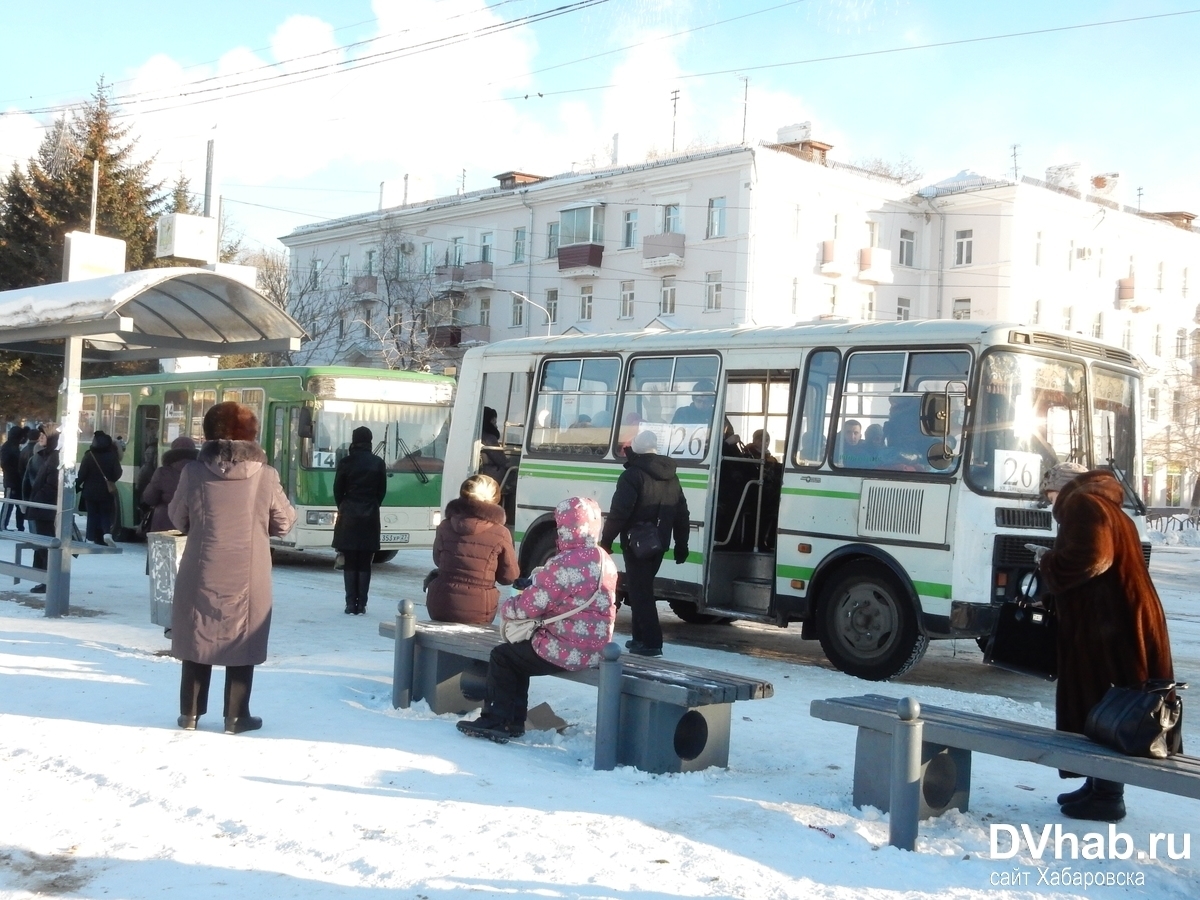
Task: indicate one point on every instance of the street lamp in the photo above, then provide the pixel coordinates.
(525, 299)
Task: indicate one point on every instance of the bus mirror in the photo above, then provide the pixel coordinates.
(304, 428)
(934, 414)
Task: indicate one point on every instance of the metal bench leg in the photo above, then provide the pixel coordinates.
(945, 775)
(402, 658)
(438, 679)
(659, 737)
(608, 708)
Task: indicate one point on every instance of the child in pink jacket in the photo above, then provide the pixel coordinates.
(569, 579)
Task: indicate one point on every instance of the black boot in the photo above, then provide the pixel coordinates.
(1106, 803)
(1080, 793)
(351, 607)
(241, 724)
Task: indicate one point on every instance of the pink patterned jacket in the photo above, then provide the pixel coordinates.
(567, 580)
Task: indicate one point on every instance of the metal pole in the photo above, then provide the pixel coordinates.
(58, 560)
(402, 658)
(208, 179)
(905, 801)
(95, 191)
(608, 708)
(745, 104)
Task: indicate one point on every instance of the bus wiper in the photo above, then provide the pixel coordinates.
(381, 447)
(1138, 505)
(412, 458)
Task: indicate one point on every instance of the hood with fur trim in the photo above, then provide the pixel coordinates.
(232, 459)
(469, 516)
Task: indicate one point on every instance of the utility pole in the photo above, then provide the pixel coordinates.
(674, 110)
(208, 179)
(1139, 195)
(1016, 171)
(745, 103)
(464, 182)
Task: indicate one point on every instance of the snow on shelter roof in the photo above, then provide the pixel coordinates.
(146, 314)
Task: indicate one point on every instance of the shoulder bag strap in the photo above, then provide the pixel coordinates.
(580, 608)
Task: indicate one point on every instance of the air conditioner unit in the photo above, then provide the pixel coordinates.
(406, 247)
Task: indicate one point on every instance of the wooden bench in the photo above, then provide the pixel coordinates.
(23, 541)
(653, 714)
(950, 736)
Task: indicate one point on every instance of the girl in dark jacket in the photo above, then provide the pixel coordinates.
(10, 463)
(42, 475)
(358, 489)
(165, 480)
(101, 464)
(473, 552)
(648, 491)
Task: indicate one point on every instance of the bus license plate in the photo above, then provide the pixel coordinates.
(401, 538)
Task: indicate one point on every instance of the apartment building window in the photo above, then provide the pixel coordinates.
(345, 268)
(796, 222)
(485, 310)
(456, 251)
(366, 320)
(666, 300)
(1127, 336)
(716, 217)
(1100, 263)
(672, 224)
(552, 240)
(903, 309)
(1037, 250)
(1183, 283)
(1037, 312)
(1070, 256)
(585, 303)
(626, 311)
(908, 244)
(1161, 276)
(795, 295)
(1152, 404)
(1181, 342)
(872, 234)
(833, 299)
(1066, 318)
(314, 275)
(1098, 326)
(835, 226)
(963, 247)
(712, 292)
(485, 247)
(1177, 406)
(370, 262)
(518, 245)
(583, 225)
(552, 306)
(518, 311)
(341, 322)
(629, 231)
(962, 308)
(868, 310)
(1131, 267)
(427, 258)
(1158, 340)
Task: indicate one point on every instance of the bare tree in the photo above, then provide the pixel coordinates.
(903, 169)
(1177, 442)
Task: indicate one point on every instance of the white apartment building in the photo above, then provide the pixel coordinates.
(761, 235)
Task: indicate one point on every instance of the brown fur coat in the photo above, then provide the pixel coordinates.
(1111, 627)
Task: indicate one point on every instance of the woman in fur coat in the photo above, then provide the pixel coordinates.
(473, 552)
(1111, 627)
(228, 503)
(165, 481)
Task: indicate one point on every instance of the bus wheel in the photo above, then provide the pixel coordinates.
(382, 556)
(544, 546)
(686, 610)
(867, 627)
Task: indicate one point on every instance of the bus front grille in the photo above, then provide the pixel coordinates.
(1007, 517)
(1009, 550)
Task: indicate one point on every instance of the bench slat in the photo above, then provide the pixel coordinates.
(1021, 741)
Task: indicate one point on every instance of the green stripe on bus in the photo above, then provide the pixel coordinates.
(802, 572)
(809, 492)
(932, 589)
(541, 470)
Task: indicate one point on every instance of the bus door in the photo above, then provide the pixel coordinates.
(503, 405)
(146, 431)
(745, 506)
(285, 445)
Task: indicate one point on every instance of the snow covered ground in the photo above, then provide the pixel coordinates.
(340, 796)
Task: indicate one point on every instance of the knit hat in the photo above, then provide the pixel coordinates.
(644, 442)
(183, 442)
(361, 435)
(1060, 475)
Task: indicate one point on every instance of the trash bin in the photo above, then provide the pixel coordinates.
(163, 552)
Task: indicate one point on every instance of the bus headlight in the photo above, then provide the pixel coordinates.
(321, 517)
(1028, 586)
(435, 518)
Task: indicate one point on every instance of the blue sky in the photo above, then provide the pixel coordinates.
(1117, 97)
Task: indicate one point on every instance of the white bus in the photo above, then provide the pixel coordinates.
(890, 491)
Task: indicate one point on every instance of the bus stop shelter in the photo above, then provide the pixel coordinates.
(148, 314)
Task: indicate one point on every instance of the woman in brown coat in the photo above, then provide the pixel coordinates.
(229, 502)
(165, 481)
(473, 551)
(1111, 627)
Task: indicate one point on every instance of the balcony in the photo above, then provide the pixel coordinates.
(1126, 295)
(662, 251)
(478, 276)
(446, 278)
(831, 263)
(442, 337)
(580, 260)
(365, 284)
(875, 265)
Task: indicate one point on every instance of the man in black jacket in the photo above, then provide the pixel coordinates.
(648, 502)
(10, 458)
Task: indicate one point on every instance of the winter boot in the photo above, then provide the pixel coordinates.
(351, 607)
(1081, 793)
(240, 724)
(188, 723)
(489, 725)
(1106, 803)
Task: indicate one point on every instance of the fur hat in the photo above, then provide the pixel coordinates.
(644, 442)
(1059, 476)
(230, 421)
(361, 435)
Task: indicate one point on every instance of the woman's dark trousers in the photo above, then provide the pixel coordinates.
(46, 527)
(193, 689)
(509, 671)
(99, 519)
(356, 573)
(639, 586)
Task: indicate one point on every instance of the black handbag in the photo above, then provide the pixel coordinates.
(1141, 721)
(1025, 640)
(644, 540)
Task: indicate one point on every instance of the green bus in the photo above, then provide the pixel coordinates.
(306, 415)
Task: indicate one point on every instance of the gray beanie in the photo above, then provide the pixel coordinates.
(1060, 475)
(644, 442)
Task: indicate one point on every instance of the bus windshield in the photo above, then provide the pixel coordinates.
(1113, 420)
(1029, 415)
(409, 437)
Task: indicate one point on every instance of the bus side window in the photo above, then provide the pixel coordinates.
(820, 382)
